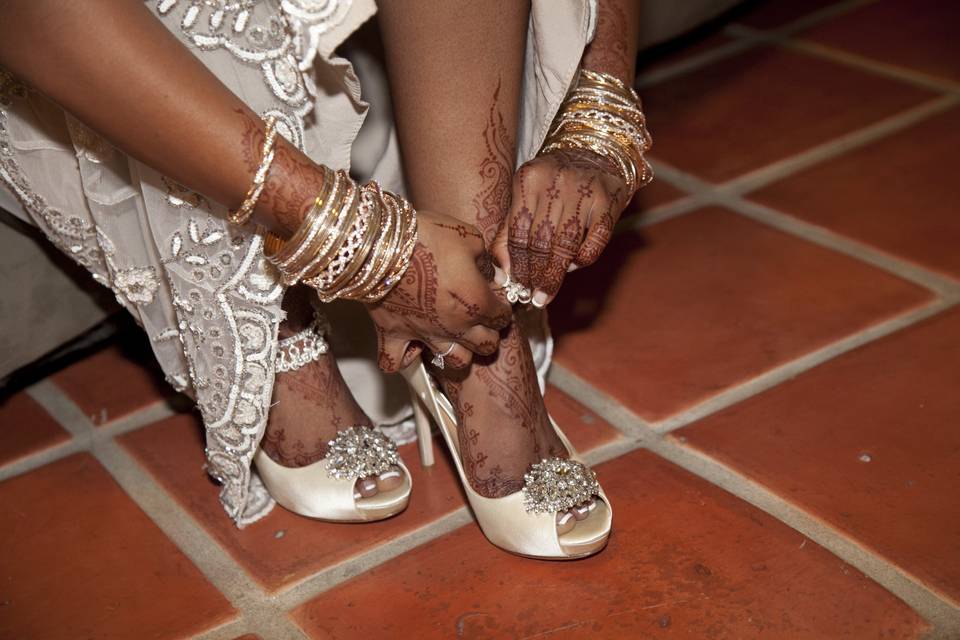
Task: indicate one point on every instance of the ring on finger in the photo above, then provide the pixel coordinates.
(516, 292)
(437, 360)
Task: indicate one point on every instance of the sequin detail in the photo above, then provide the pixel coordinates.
(554, 485)
(359, 452)
(278, 37)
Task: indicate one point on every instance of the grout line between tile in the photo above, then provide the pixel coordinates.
(793, 368)
(226, 631)
(941, 285)
(712, 194)
(837, 146)
(620, 417)
(742, 42)
(177, 524)
(818, 16)
(40, 458)
(856, 61)
(64, 410)
(664, 212)
(336, 574)
(935, 607)
(693, 63)
(931, 605)
(145, 416)
(251, 602)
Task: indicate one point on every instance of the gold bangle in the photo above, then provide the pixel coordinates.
(245, 211)
(354, 243)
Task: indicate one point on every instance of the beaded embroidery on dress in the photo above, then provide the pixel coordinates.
(201, 289)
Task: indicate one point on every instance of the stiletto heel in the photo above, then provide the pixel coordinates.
(424, 438)
(524, 522)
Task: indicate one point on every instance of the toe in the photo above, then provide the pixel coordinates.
(365, 488)
(565, 522)
(390, 479)
(582, 511)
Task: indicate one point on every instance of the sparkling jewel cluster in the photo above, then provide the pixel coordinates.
(360, 452)
(554, 485)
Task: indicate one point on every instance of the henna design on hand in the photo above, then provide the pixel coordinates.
(597, 239)
(539, 251)
(415, 297)
(491, 203)
(565, 248)
(485, 266)
(461, 229)
(542, 246)
(518, 243)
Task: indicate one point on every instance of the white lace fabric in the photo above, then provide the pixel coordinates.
(201, 289)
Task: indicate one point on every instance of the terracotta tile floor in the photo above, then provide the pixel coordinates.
(797, 495)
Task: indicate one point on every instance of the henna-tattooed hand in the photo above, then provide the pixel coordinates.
(565, 205)
(445, 297)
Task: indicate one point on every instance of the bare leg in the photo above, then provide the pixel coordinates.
(456, 71)
(311, 404)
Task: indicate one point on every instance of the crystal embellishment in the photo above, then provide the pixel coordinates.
(359, 452)
(556, 484)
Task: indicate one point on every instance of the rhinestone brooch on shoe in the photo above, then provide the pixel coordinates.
(359, 452)
(556, 484)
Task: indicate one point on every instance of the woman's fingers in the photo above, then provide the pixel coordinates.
(394, 353)
(444, 354)
(599, 234)
(567, 238)
(481, 340)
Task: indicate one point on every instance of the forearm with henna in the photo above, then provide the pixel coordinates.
(614, 46)
(116, 67)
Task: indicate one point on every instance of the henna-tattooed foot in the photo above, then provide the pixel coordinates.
(503, 426)
(310, 405)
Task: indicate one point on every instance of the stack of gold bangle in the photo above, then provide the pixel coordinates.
(603, 115)
(354, 243)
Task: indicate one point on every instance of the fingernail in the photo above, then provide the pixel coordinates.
(500, 276)
(540, 299)
(572, 267)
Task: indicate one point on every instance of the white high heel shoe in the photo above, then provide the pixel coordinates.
(325, 490)
(524, 522)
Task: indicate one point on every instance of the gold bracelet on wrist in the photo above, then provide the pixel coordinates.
(602, 115)
(356, 242)
(245, 210)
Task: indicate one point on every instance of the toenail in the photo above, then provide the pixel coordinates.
(367, 487)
